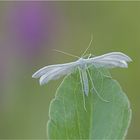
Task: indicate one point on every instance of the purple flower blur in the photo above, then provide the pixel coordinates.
(32, 25)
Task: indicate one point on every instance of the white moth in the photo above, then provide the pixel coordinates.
(109, 60)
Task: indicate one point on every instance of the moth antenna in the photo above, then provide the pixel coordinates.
(66, 53)
(88, 45)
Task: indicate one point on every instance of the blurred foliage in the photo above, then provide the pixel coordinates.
(65, 26)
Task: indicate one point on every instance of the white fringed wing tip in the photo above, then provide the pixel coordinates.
(111, 60)
(53, 72)
(46, 69)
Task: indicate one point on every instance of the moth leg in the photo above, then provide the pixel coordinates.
(95, 88)
(107, 76)
(89, 55)
(81, 80)
(102, 75)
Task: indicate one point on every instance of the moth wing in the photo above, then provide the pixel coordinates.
(56, 73)
(49, 68)
(115, 55)
(111, 60)
(110, 64)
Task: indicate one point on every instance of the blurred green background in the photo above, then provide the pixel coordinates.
(29, 31)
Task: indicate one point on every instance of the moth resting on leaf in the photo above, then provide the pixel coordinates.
(109, 60)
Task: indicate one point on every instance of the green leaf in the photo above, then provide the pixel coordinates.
(68, 118)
